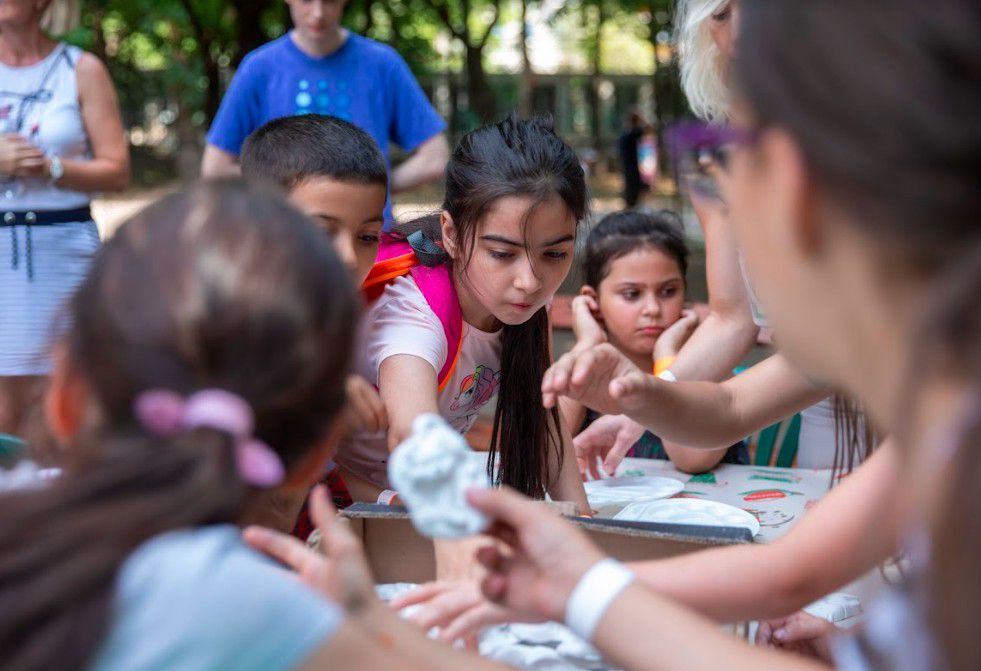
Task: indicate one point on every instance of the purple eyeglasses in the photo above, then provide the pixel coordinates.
(695, 146)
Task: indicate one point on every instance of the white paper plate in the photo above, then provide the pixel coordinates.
(690, 511)
(621, 491)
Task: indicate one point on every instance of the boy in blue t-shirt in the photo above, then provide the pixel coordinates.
(319, 67)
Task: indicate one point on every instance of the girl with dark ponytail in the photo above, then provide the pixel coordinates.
(205, 362)
(492, 259)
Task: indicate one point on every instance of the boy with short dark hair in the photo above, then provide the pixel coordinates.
(331, 170)
(334, 172)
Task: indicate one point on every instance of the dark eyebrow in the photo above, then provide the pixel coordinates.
(559, 241)
(374, 220)
(506, 241)
(501, 239)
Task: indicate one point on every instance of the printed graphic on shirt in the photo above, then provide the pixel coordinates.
(324, 97)
(475, 390)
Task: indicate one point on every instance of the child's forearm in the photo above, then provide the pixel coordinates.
(567, 485)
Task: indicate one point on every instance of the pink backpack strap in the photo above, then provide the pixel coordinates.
(397, 258)
(436, 285)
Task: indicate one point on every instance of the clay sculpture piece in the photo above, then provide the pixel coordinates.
(432, 471)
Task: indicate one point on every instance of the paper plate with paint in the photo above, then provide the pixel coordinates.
(690, 511)
(624, 490)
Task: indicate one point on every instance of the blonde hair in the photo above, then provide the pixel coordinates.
(60, 16)
(704, 70)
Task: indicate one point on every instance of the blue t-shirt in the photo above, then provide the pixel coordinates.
(364, 82)
(202, 600)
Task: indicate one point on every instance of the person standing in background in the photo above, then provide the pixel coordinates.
(320, 67)
(61, 139)
(627, 148)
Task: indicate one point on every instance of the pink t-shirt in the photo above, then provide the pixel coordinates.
(401, 322)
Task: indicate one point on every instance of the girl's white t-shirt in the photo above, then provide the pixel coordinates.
(401, 322)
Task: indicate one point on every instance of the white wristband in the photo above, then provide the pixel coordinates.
(594, 593)
(668, 376)
(386, 497)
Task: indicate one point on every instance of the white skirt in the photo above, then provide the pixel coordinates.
(35, 284)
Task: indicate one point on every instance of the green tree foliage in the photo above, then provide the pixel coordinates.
(172, 59)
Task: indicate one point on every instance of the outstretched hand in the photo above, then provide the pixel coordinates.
(599, 377)
(341, 573)
(606, 441)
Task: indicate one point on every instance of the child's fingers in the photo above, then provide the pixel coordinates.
(420, 594)
(337, 536)
(583, 366)
(445, 608)
(802, 629)
(764, 635)
(286, 549)
(471, 621)
(621, 446)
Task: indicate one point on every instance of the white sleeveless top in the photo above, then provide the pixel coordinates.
(40, 102)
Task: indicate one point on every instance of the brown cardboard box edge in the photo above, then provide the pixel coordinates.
(396, 552)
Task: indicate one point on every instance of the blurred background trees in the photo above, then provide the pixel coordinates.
(587, 62)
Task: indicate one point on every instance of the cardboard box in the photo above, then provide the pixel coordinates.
(397, 553)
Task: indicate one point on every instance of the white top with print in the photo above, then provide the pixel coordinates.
(401, 322)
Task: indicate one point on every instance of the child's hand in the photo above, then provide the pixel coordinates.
(600, 377)
(801, 633)
(675, 336)
(545, 558)
(365, 409)
(585, 325)
(606, 440)
(341, 573)
(458, 608)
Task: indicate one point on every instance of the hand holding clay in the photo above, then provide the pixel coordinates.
(432, 471)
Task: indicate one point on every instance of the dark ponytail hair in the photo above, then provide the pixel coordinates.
(901, 157)
(514, 157)
(221, 286)
(625, 232)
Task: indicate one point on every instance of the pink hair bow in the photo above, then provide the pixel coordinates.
(166, 413)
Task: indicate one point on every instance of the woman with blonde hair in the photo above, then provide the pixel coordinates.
(706, 38)
(61, 140)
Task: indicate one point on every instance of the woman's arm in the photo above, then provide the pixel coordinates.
(694, 414)
(108, 169)
(847, 533)
(728, 332)
(548, 559)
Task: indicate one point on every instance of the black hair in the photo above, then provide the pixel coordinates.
(220, 286)
(622, 233)
(515, 157)
(292, 149)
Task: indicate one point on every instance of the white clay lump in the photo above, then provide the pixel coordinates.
(432, 471)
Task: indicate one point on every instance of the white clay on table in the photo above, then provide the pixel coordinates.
(432, 471)
(547, 646)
